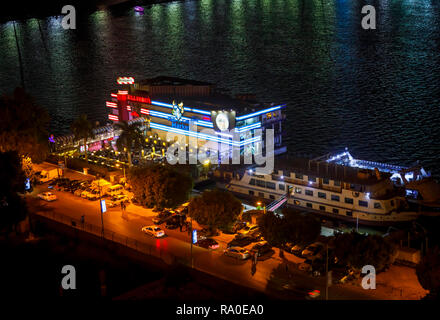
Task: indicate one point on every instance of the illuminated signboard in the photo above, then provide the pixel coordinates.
(223, 120)
(194, 236)
(139, 99)
(125, 80)
(103, 206)
(178, 110)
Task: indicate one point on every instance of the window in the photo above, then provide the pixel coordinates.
(363, 203)
(322, 195)
(325, 181)
(335, 197)
(272, 197)
(281, 186)
(337, 183)
(251, 192)
(312, 179)
(351, 186)
(261, 194)
(377, 205)
(309, 193)
(298, 176)
(297, 190)
(271, 185)
(349, 213)
(335, 210)
(322, 208)
(309, 205)
(252, 182)
(261, 183)
(349, 200)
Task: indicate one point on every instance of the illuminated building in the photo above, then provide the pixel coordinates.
(199, 111)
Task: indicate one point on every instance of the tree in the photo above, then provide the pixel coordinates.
(12, 206)
(23, 126)
(82, 129)
(357, 250)
(291, 226)
(159, 186)
(302, 227)
(130, 137)
(215, 208)
(273, 229)
(428, 272)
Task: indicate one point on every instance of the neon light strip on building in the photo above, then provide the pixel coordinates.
(247, 116)
(203, 136)
(113, 117)
(249, 127)
(167, 105)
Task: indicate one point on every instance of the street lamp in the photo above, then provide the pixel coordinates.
(259, 205)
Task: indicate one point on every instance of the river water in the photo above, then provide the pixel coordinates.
(376, 92)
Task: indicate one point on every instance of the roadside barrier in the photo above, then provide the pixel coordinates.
(142, 247)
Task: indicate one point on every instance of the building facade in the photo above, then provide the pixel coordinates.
(208, 119)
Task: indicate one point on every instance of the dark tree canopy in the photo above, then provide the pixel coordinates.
(82, 129)
(23, 126)
(12, 206)
(428, 272)
(130, 137)
(302, 227)
(356, 250)
(292, 226)
(159, 186)
(273, 228)
(215, 208)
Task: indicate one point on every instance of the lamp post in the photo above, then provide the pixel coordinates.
(100, 203)
(259, 205)
(191, 233)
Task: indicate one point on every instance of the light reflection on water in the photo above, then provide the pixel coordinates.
(375, 92)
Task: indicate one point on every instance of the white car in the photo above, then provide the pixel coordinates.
(237, 252)
(48, 196)
(153, 231)
(248, 230)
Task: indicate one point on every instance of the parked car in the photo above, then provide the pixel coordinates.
(239, 225)
(154, 231)
(313, 294)
(237, 253)
(313, 249)
(206, 233)
(207, 243)
(78, 192)
(93, 194)
(48, 196)
(262, 248)
(240, 242)
(297, 249)
(116, 200)
(162, 217)
(249, 230)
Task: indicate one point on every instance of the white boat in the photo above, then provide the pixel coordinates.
(363, 195)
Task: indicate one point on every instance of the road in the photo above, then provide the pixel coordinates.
(129, 224)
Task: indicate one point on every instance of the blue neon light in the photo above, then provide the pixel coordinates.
(203, 136)
(249, 127)
(164, 115)
(246, 116)
(167, 105)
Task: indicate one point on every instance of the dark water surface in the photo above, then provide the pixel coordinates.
(376, 92)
